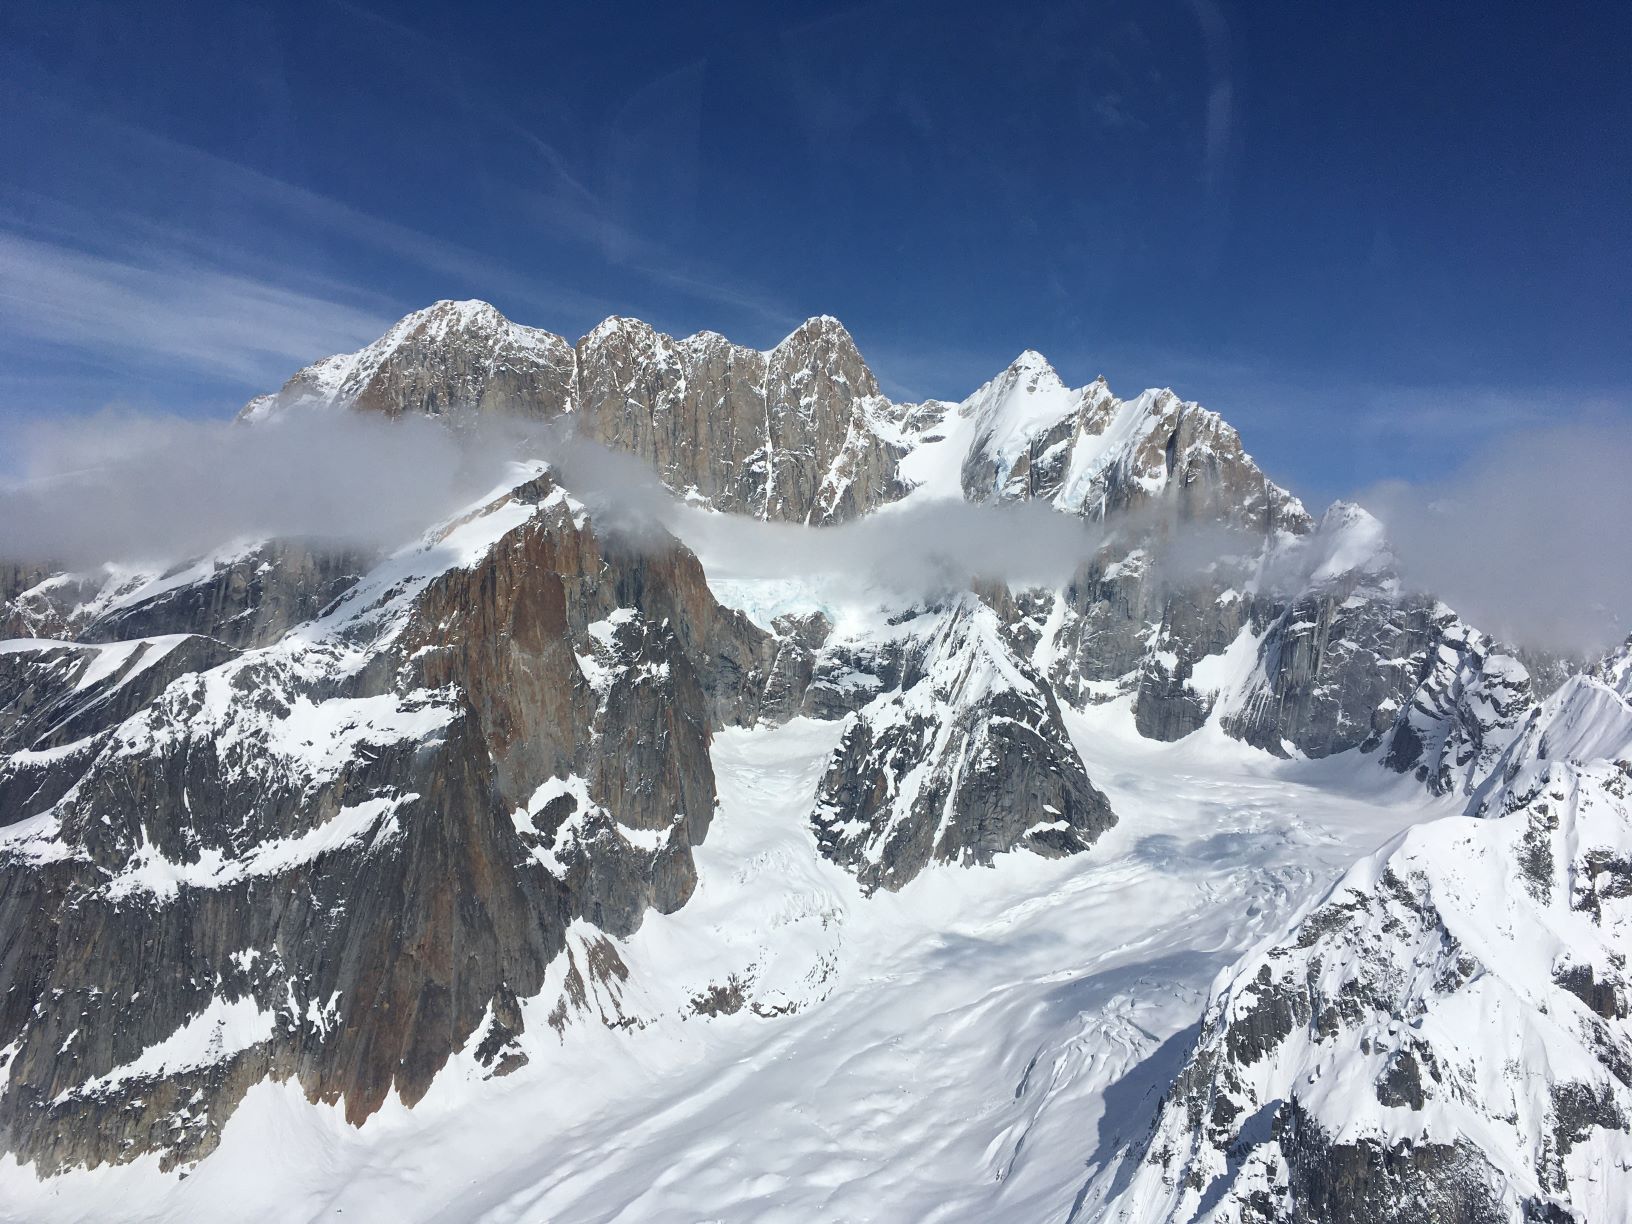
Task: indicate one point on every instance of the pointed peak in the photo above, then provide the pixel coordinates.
(1350, 539)
(707, 338)
(1034, 372)
(818, 327)
(1346, 514)
(458, 313)
(438, 320)
(466, 307)
(617, 325)
(824, 343)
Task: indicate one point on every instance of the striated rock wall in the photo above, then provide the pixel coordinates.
(338, 857)
(799, 433)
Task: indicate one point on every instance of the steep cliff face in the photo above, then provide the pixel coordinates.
(694, 409)
(1315, 647)
(966, 759)
(240, 595)
(343, 855)
(1087, 452)
(1338, 649)
(1447, 1035)
(1472, 700)
(799, 433)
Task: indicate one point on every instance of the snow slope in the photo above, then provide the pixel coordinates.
(848, 1069)
(1447, 1034)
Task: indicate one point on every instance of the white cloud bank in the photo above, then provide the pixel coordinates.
(1528, 541)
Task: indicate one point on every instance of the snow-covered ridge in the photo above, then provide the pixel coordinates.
(338, 381)
(1452, 1020)
(1024, 433)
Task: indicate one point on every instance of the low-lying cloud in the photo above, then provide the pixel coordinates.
(1531, 540)
(910, 551)
(1528, 540)
(157, 490)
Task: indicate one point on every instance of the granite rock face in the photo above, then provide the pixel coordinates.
(968, 758)
(452, 358)
(240, 596)
(1472, 700)
(1317, 648)
(799, 433)
(1368, 1066)
(334, 856)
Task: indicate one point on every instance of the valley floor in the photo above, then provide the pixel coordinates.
(981, 1046)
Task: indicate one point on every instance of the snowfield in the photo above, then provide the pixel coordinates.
(983, 1045)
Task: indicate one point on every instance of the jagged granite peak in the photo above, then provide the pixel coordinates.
(833, 443)
(694, 409)
(451, 357)
(1025, 412)
(822, 347)
(968, 758)
(1155, 466)
(1088, 452)
(342, 852)
(798, 433)
(1447, 1035)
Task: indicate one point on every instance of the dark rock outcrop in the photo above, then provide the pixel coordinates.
(967, 759)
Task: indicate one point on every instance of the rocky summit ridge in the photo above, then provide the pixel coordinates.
(333, 817)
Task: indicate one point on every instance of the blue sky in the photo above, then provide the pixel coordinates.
(1366, 234)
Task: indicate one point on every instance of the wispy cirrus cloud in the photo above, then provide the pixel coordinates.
(170, 311)
(94, 278)
(632, 198)
(112, 269)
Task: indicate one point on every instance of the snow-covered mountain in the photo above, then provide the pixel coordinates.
(799, 433)
(291, 834)
(1446, 1035)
